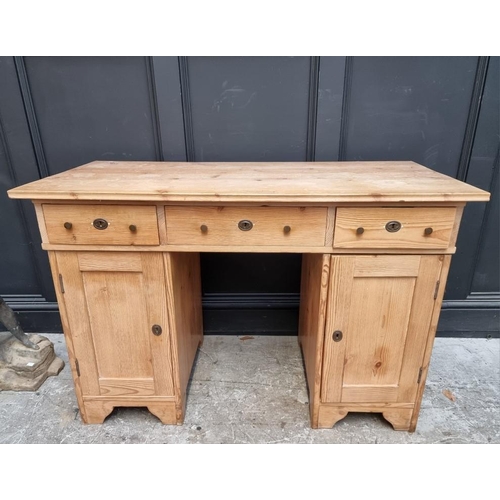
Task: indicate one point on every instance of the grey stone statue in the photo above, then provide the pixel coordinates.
(8, 318)
(25, 362)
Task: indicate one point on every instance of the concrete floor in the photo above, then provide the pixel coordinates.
(254, 391)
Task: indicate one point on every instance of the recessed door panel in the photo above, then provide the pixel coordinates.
(117, 312)
(383, 312)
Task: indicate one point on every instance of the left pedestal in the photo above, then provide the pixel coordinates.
(130, 328)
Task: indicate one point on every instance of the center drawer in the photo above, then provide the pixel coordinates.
(259, 226)
(101, 224)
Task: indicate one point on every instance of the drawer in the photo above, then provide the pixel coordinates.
(101, 224)
(258, 226)
(417, 227)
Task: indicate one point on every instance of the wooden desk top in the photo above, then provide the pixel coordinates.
(297, 183)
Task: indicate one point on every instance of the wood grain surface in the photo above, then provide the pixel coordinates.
(306, 226)
(326, 182)
(384, 320)
(414, 221)
(118, 217)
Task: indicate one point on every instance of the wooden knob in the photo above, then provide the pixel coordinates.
(133, 228)
(287, 229)
(204, 228)
(360, 230)
(68, 225)
(427, 231)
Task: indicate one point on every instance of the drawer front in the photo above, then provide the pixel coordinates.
(259, 226)
(418, 227)
(101, 224)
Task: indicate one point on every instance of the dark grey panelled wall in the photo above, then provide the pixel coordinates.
(443, 112)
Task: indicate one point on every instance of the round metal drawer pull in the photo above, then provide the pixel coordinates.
(68, 225)
(428, 231)
(287, 229)
(133, 228)
(157, 330)
(337, 336)
(393, 226)
(360, 230)
(245, 225)
(204, 228)
(100, 224)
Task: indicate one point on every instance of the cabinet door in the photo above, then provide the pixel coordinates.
(383, 305)
(112, 301)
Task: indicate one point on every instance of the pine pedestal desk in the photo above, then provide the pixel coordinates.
(124, 239)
